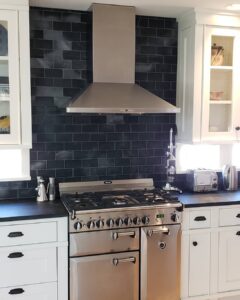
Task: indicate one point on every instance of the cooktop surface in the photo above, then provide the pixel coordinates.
(116, 199)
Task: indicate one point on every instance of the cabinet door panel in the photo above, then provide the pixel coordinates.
(9, 79)
(220, 87)
(46, 291)
(199, 264)
(12, 235)
(229, 263)
(27, 265)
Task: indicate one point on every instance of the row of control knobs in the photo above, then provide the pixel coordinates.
(110, 222)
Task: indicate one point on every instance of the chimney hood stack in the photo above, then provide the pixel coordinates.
(113, 89)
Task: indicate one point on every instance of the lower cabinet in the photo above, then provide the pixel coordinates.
(30, 292)
(229, 259)
(210, 267)
(27, 265)
(199, 264)
(34, 267)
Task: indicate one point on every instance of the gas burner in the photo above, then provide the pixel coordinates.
(118, 200)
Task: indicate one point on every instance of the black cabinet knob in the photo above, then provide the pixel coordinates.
(195, 244)
(15, 255)
(16, 291)
(15, 234)
(237, 128)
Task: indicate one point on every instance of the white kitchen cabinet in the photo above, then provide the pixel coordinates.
(229, 262)
(208, 89)
(210, 265)
(199, 264)
(47, 291)
(15, 90)
(34, 259)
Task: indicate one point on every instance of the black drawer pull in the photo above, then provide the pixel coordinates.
(15, 255)
(195, 244)
(15, 234)
(238, 233)
(200, 218)
(16, 291)
(238, 216)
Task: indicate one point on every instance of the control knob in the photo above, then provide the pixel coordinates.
(90, 224)
(77, 225)
(128, 221)
(175, 217)
(110, 223)
(145, 220)
(119, 222)
(137, 221)
(100, 224)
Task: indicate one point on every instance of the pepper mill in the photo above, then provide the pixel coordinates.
(51, 189)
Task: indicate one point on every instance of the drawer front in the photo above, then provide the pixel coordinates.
(47, 291)
(229, 216)
(200, 219)
(27, 265)
(119, 240)
(11, 235)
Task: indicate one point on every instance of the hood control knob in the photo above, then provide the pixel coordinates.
(175, 217)
(100, 224)
(110, 223)
(90, 224)
(137, 221)
(128, 221)
(77, 225)
(119, 222)
(145, 220)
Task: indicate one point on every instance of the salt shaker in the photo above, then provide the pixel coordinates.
(51, 189)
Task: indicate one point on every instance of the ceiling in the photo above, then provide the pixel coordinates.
(169, 8)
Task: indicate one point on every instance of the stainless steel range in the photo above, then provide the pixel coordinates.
(124, 240)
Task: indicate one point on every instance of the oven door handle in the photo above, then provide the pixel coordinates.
(164, 230)
(117, 235)
(117, 261)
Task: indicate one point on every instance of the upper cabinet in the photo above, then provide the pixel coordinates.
(208, 91)
(15, 96)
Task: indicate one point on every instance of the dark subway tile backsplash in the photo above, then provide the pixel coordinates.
(74, 147)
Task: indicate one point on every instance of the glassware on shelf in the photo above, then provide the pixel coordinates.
(4, 91)
(217, 55)
(3, 40)
(216, 95)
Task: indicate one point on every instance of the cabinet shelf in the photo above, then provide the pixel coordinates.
(219, 102)
(222, 68)
(3, 58)
(4, 99)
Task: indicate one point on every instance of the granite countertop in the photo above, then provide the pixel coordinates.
(210, 199)
(14, 210)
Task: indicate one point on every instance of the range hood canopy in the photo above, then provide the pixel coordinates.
(113, 89)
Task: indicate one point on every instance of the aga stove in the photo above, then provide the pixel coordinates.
(124, 238)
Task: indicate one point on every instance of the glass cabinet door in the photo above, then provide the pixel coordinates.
(220, 86)
(9, 79)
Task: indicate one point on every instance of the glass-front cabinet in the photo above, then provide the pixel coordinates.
(208, 81)
(9, 79)
(221, 84)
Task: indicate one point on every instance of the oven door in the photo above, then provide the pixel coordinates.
(105, 277)
(160, 262)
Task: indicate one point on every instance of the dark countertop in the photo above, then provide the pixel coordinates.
(14, 210)
(210, 199)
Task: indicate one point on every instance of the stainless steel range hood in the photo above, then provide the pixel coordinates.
(113, 89)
